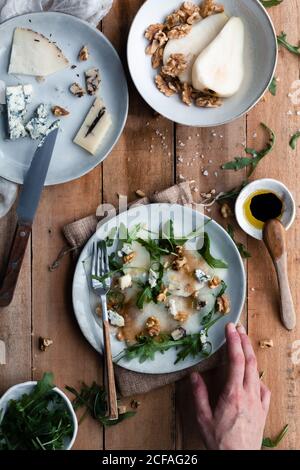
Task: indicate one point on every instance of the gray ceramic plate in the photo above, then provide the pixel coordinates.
(222, 246)
(69, 161)
(260, 62)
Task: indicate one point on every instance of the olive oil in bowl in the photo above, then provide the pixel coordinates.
(262, 205)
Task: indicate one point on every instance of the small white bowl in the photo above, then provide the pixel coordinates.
(278, 188)
(15, 392)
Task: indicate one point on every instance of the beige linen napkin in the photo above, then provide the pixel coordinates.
(77, 234)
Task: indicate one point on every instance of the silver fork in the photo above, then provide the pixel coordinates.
(100, 268)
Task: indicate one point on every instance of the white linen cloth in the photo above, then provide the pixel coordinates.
(89, 10)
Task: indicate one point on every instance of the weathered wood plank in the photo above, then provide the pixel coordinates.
(143, 159)
(281, 374)
(70, 358)
(15, 320)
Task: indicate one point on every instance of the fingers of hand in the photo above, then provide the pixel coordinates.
(203, 409)
(236, 357)
(251, 376)
(265, 396)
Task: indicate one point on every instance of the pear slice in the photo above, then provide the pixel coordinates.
(220, 67)
(201, 34)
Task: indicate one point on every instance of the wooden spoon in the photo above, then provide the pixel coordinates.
(274, 237)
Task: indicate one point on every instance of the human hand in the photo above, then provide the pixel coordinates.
(238, 420)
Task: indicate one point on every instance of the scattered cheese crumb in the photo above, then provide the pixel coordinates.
(125, 281)
(205, 173)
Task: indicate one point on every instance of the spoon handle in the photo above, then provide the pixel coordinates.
(274, 238)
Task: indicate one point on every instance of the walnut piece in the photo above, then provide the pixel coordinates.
(223, 304)
(214, 282)
(59, 111)
(179, 31)
(44, 343)
(140, 193)
(208, 7)
(266, 343)
(77, 90)
(208, 101)
(186, 94)
(157, 58)
(179, 263)
(176, 64)
(120, 336)
(83, 54)
(162, 296)
(153, 326)
(128, 258)
(181, 317)
(163, 86)
(226, 210)
(152, 30)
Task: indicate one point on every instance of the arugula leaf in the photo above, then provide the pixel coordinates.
(282, 41)
(111, 237)
(93, 399)
(232, 193)
(242, 249)
(272, 443)
(293, 141)
(154, 249)
(243, 162)
(206, 254)
(273, 86)
(38, 420)
(144, 297)
(207, 319)
(270, 3)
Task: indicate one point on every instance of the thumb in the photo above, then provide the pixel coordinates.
(200, 392)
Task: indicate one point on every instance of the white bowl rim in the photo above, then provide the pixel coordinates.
(263, 183)
(226, 121)
(30, 384)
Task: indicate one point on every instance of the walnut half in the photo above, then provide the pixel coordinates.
(153, 326)
(223, 304)
(59, 111)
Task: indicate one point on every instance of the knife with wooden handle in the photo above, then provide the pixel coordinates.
(26, 209)
(274, 238)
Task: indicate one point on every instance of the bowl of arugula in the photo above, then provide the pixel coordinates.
(37, 416)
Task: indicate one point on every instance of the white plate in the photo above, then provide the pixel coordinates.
(69, 161)
(85, 302)
(260, 63)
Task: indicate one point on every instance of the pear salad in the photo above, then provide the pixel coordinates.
(163, 293)
(199, 54)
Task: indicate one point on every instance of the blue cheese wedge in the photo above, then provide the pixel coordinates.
(17, 98)
(37, 126)
(34, 54)
(95, 127)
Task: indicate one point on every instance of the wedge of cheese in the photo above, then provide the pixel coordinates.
(34, 54)
(95, 127)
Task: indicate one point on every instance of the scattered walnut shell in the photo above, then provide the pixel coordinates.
(266, 343)
(83, 54)
(44, 343)
(225, 210)
(59, 111)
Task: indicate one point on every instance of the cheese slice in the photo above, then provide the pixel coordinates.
(34, 54)
(95, 127)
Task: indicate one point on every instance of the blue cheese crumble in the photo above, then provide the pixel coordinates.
(17, 98)
(37, 126)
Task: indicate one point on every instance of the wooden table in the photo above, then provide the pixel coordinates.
(42, 305)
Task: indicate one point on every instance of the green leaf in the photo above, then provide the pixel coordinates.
(272, 443)
(242, 249)
(232, 194)
(282, 41)
(93, 400)
(270, 3)
(273, 86)
(207, 256)
(243, 162)
(144, 297)
(293, 141)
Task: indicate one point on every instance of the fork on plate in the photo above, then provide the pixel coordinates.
(100, 269)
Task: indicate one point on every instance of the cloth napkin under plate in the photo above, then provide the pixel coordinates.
(78, 233)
